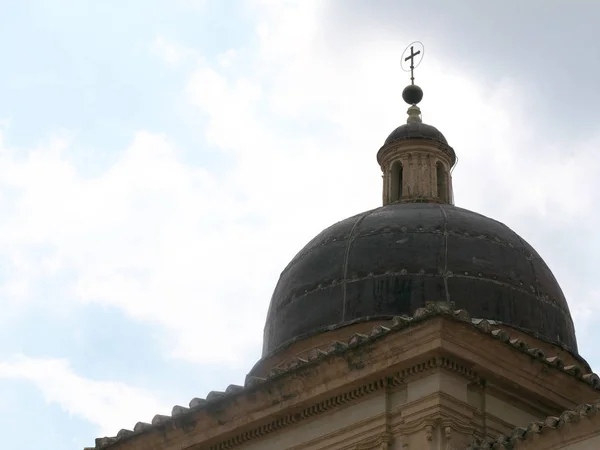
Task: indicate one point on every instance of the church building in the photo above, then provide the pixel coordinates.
(417, 325)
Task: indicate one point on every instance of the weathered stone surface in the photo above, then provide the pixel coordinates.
(141, 426)
(463, 315)
(316, 353)
(501, 335)
(295, 363)
(178, 410)
(336, 347)
(160, 419)
(233, 389)
(592, 379)
(556, 361)
(197, 402)
(105, 441)
(123, 433)
(214, 396)
(357, 339)
(252, 381)
(378, 331)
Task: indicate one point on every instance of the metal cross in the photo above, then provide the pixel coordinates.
(412, 62)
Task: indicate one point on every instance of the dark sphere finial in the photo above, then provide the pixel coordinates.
(412, 94)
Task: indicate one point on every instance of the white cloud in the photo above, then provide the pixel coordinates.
(194, 5)
(5, 123)
(171, 53)
(152, 236)
(227, 59)
(108, 404)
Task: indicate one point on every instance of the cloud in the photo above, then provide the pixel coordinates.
(143, 236)
(171, 53)
(227, 59)
(108, 404)
(194, 5)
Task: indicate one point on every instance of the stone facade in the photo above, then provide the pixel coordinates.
(439, 380)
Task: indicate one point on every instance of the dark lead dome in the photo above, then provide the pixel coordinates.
(393, 259)
(416, 130)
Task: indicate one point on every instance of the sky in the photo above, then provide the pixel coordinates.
(162, 161)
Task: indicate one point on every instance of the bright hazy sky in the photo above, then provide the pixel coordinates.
(162, 161)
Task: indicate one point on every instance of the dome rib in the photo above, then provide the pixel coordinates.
(538, 288)
(346, 257)
(445, 274)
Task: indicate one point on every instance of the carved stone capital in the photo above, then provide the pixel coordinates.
(429, 432)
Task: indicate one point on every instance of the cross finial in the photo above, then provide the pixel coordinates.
(412, 62)
(411, 55)
(412, 94)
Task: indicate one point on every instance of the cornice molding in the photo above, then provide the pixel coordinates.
(421, 144)
(380, 442)
(566, 420)
(181, 417)
(347, 397)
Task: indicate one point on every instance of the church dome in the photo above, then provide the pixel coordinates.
(394, 259)
(415, 249)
